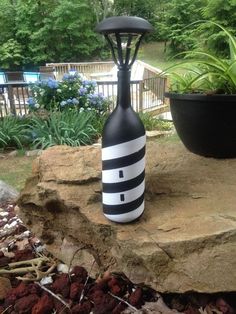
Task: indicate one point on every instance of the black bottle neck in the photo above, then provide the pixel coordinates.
(123, 98)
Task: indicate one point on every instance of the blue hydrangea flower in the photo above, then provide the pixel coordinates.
(96, 100)
(73, 72)
(89, 83)
(63, 103)
(65, 76)
(31, 101)
(101, 96)
(85, 82)
(73, 75)
(69, 102)
(51, 83)
(82, 91)
(92, 99)
(75, 101)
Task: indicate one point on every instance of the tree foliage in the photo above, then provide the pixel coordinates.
(49, 31)
(179, 15)
(224, 13)
(102, 8)
(7, 21)
(160, 23)
(34, 32)
(11, 55)
(143, 8)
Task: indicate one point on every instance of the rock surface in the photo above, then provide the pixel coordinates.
(7, 192)
(185, 240)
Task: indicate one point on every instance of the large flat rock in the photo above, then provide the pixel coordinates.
(185, 240)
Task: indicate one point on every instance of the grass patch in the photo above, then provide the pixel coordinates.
(154, 54)
(173, 138)
(153, 123)
(15, 170)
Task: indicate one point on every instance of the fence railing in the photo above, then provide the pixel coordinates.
(146, 94)
(86, 68)
(13, 99)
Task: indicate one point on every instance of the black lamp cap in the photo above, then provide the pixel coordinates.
(124, 24)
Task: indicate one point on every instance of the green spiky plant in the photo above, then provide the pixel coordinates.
(13, 132)
(64, 128)
(152, 123)
(203, 72)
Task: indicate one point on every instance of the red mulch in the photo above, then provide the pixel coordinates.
(81, 293)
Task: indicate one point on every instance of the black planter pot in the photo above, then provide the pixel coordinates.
(206, 124)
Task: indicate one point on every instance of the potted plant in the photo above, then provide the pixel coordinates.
(203, 101)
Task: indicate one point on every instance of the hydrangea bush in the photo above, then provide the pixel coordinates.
(73, 92)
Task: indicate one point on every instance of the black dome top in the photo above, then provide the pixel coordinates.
(124, 24)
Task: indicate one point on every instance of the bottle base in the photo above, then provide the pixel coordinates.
(127, 217)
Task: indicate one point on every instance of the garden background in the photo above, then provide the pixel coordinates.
(34, 32)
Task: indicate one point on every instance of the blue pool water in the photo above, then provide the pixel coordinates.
(2, 78)
(29, 77)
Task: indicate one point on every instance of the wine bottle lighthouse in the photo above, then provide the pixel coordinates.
(123, 138)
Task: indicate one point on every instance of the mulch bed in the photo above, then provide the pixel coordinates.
(32, 281)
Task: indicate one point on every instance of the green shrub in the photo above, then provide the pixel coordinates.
(204, 72)
(73, 92)
(68, 127)
(13, 132)
(152, 123)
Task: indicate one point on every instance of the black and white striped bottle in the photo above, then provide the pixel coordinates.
(123, 158)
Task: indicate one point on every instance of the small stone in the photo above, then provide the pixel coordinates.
(7, 192)
(40, 248)
(5, 286)
(32, 153)
(157, 134)
(46, 280)
(4, 214)
(13, 153)
(11, 225)
(62, 268)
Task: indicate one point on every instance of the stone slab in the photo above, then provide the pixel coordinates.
(185, 240)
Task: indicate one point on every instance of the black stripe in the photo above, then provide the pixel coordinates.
(120, 138)
(123, 186)
(124, 208)
(123, 161)
(122, 126)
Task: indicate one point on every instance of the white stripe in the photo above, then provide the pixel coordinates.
(129, 196)
(129, 172)
(123, 149)
(128, 217)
